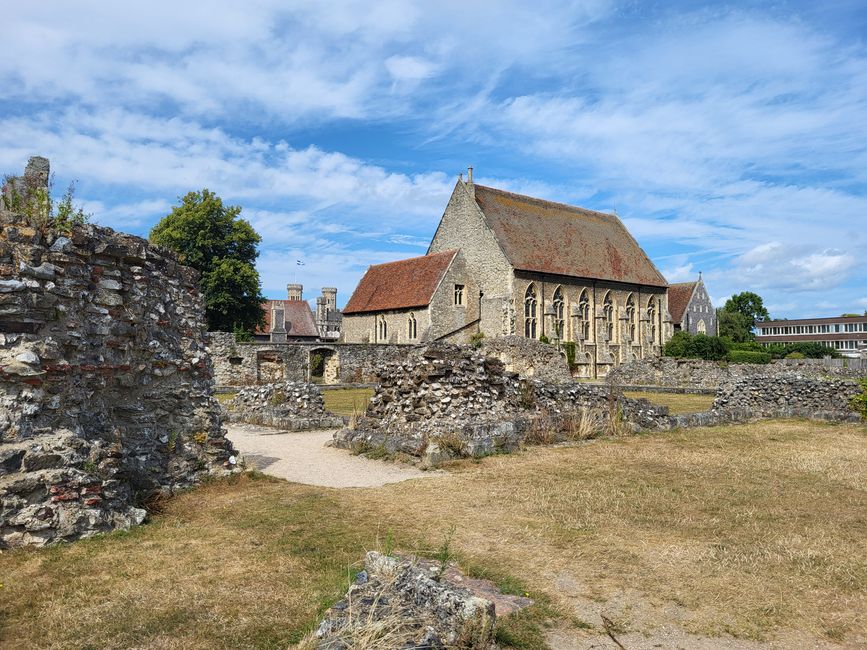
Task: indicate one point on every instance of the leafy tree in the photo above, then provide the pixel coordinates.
(735, 326)
(749, 304)
(700, 346)
(212, 239)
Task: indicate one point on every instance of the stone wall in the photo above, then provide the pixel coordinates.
(529, 358)
(105, 382)
(288, 405)
(250, 364)
(789, 396)
(697, 373)
(452, 396)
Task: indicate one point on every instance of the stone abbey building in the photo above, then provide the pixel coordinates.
(506, 264)
(691, 308)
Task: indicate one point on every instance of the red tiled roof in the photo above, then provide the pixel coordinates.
(678, 298)
(549, 237)
(297, 315)
(399, 285)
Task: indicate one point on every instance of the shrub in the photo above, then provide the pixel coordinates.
(858, 403)
(544, 339)
(676, 346)
(700, 346)
(569, 349)
(747, 356)
(795, 355)
(477, 339)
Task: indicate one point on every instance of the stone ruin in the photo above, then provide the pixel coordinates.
(105, 382)
(447, 400)
(287, 405)
(401, 603)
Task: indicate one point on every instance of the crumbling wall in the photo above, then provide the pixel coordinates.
(105, 381)
(249, 364)
(698, 373)
(457, 396)
(789, 396)
(529, 358)
(293, 406)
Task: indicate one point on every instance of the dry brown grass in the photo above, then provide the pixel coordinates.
(346, 401)
(747, 530)
(677, 403)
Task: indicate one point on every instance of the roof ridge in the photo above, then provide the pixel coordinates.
(535, 199)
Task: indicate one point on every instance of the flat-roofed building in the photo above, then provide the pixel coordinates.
(846, 334)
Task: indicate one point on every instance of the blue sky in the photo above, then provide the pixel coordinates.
(730, 138)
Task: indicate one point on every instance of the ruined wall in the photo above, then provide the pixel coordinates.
(529, 358)
(789, 396)
(248, 364)
(105, 381)
(697, 373)
(288, 405)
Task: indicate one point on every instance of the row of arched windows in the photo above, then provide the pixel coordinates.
(382, 328)
(584, 320)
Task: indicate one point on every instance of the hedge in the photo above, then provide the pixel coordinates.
(746, 356)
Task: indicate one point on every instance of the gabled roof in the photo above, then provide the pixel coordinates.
(679, 296)
(399, 285)
(549, 237)
(296, 314)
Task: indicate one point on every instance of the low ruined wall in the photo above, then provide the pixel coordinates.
(698, 373)
(529, 358)
(457, 396)
(789, 396)
(288, 405)
(249, 364)
(105, 381)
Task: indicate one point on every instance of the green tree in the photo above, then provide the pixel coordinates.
(735, 326)
(212, 239)
(749, 304)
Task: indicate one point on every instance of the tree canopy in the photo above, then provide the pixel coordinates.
(749, 304)
(212, 239)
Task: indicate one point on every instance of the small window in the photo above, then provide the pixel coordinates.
(459, 294)
(412, 327)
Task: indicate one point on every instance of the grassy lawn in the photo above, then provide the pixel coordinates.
(677, 403)
(747, 530)
(343, 401)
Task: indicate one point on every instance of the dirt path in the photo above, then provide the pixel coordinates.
(302, 457)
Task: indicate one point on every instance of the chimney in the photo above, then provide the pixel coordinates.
(294, 291)
(470, 187)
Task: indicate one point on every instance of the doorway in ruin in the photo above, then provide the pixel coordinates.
(324, 366)
(270, 367)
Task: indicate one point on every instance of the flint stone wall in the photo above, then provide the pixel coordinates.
(529, 358)
(445, 393)
(426, 613)
(790, 396)
(105, 382)
(698, 373)
(288, 405)
(250, 364)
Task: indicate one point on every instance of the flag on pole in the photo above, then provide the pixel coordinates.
(299, 262)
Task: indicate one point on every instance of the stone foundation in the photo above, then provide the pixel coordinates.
(698, 373)
(291, 406)
(105, 382)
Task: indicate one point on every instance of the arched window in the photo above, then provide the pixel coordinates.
(411, 327)
(584, 315)
(559, 321)
(383, 329)
(630, 316)
(608, 315)
(530, 306)
(651, 316)
(701, 327)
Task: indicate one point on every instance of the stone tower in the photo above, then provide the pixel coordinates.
(328, 317)
(295, 291)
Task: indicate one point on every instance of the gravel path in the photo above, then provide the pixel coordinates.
(302, 457)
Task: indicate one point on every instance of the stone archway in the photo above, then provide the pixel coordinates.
(324, 366)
